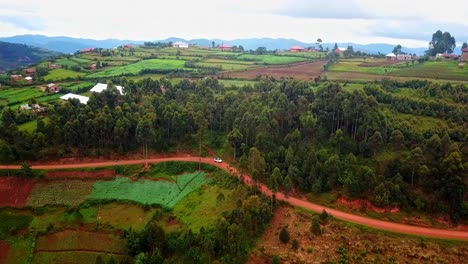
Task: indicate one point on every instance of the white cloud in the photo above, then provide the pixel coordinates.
(361, 21)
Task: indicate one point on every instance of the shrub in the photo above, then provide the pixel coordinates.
(276, 260)
(295, 244)
(284, 235)
(324, 216)
(316, 229)
(309, 249)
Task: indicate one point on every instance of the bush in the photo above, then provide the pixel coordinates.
(284, 235)
(309, 249)
(324, 216)
(295, 244)
(316, 229)
(276, 260)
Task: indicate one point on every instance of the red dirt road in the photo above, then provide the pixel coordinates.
(384, 225)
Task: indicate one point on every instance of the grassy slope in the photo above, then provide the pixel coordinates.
(136, 68)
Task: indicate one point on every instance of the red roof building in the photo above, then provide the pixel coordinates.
(29, 71)
(225, 47)
(465, 50)
(14, 79)
(87, 50)
(296, 49)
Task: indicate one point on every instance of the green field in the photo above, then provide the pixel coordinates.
(18, 95)
(21, 250)
(164, 193)
(136, 68)
(76, 86)
(447, 70)
(75, 61)
(270, 59)
(61, 74)
(120, 216)
(71, 192)
(202, 209)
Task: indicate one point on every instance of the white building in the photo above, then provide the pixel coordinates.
(181, 45)
(81, 98)
(98, 88)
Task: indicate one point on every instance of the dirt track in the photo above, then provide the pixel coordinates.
(389, 226)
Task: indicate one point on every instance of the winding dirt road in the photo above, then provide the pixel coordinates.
(384, 225)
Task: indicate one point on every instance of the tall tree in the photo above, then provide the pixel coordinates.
(441, 43)
(464, 46)
(257, 164)
(397, 49)
(144, 134)
(235, 139)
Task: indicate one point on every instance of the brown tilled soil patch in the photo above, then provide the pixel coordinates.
(302, 71)
(71, 174)
(15, 191)
(361, 245)
(4, 248)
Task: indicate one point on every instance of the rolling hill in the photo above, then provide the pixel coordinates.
(70, 45)
(18, 55)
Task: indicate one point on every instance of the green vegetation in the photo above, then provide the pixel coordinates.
(202, 208)
(12, 223)
(270, 59)
(154, 65)
(62, 74)
(71, 192)
(166, 194)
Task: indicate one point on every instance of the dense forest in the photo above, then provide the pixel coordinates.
(294, 135)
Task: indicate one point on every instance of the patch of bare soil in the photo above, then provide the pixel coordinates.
(302, 71)
(67, 174)
(4, 248)
(342, 242)
(365, 204)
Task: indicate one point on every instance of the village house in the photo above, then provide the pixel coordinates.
(87, 50)
(340, 50)
(100, 87)
(180, 45)
(14, 79)
(32, 107)
(225, 47)
(464, 56)
(391, 57)
(81, 98)
(29, 71)
(92, 67)
(52, 88)
(28, 79)
(296, 49)
(404, 57)
(53, 66)
(446, 56)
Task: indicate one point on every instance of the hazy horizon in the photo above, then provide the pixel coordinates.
(410, 24)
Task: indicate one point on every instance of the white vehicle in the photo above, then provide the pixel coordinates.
(218, 160)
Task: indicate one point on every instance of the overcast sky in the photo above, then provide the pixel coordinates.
(407, 22)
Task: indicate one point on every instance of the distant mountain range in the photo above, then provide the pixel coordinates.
(71, 45)
(14, 55)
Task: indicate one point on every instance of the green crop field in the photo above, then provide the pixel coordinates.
(11, 223)
(164, 193)
(225, 66)
(21, 249)
(447, 70)
(202, 209)
(355, 66)
(76, 86)
(18, 95)
(309, 55)
(72, 192)
(120, 216)
(271, 59)
(41, 222)
(136, 68)
(75, 61)
(61, 74)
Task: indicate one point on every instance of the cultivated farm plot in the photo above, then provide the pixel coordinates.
(120, 216)
(165, 193)
(136, 68)
(72, 246)
(447, 70)
(68, 192)
(302, 71)
(17, 95)
(15, 191)
(61, 74)
(271, 59)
